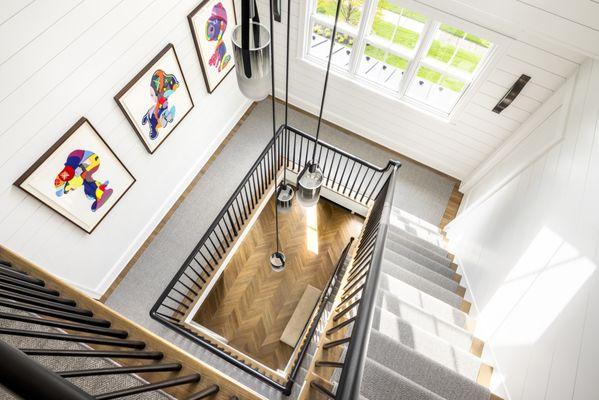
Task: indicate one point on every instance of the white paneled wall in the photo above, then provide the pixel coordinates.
(455, 148)
(66, 59)
(527, 240)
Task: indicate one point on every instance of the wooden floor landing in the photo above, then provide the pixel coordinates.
(251, 304)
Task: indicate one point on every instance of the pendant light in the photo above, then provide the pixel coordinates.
(251, 48)
(285, 192)
(277, 259)
(310, 180)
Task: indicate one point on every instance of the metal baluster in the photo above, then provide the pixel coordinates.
(342, 174)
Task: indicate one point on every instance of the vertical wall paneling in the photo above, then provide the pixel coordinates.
(68, 60)
(527, 240)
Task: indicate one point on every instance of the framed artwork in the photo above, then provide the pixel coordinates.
(157, 99)
(212, 24)
(79, 177)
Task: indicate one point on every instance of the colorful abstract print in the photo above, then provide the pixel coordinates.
(162, 86)
(78, 171)
(215, 29)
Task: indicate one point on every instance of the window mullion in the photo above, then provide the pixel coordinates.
(359, 40)
(423, 45)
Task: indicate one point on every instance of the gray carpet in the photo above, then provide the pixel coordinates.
(419, 191)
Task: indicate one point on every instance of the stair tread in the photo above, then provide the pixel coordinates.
(433, 276)
(408, 241)
(422, 370)
(437, 247)
(417, 257)
(382, 383)
(416, 220)
(425, 320)
(395, 280)
(433, 347)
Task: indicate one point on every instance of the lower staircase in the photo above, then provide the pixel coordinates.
(57, 343)
(401, 327)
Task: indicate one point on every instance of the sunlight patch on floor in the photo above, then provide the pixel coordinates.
(312, 229)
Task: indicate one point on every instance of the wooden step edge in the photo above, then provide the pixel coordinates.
(451, 257)
(477, 347)
(453, 266)
(484, 375)
(465, 307)
(495, 397)
(461, 291)
(457, 278)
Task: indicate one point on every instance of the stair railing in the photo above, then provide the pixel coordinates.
(356, 302)
(344, 174)
(34, 297)
(327, 295)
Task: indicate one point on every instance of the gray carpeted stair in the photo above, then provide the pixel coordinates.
(420, 341)
(402, 262)
(395, 280)
(420, 318)
(427, 344)
(418, 368)
(416, 256)
(396, 238)
(417, 242)
(382, 383)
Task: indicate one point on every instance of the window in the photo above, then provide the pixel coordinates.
(419, 59)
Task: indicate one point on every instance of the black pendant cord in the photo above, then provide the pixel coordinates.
(287, 87)
(326, 78)
(275, 164)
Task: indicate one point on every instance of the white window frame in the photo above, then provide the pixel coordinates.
(435, 18)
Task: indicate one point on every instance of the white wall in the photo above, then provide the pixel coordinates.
(527, 240)
(65, 59)
(455, 148)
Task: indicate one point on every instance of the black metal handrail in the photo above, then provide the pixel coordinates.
(361, 287)
(344, 173)
(28, 379)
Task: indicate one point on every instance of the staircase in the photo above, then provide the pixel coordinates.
(401, 327)
(57, 343)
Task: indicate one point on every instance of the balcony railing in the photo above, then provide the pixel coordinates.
(344, 174)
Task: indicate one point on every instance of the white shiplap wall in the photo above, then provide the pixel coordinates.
(527, 241)
(65, 59)
(455, 148)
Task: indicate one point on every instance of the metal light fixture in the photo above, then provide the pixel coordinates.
(251, 47)
(309, 181)
(285, 194)
(277, 259)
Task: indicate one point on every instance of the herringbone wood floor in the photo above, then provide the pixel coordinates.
(250, 304)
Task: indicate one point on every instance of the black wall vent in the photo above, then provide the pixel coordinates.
(511, 94)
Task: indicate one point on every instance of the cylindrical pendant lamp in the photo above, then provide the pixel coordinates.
(309, 183)
(251, 47)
